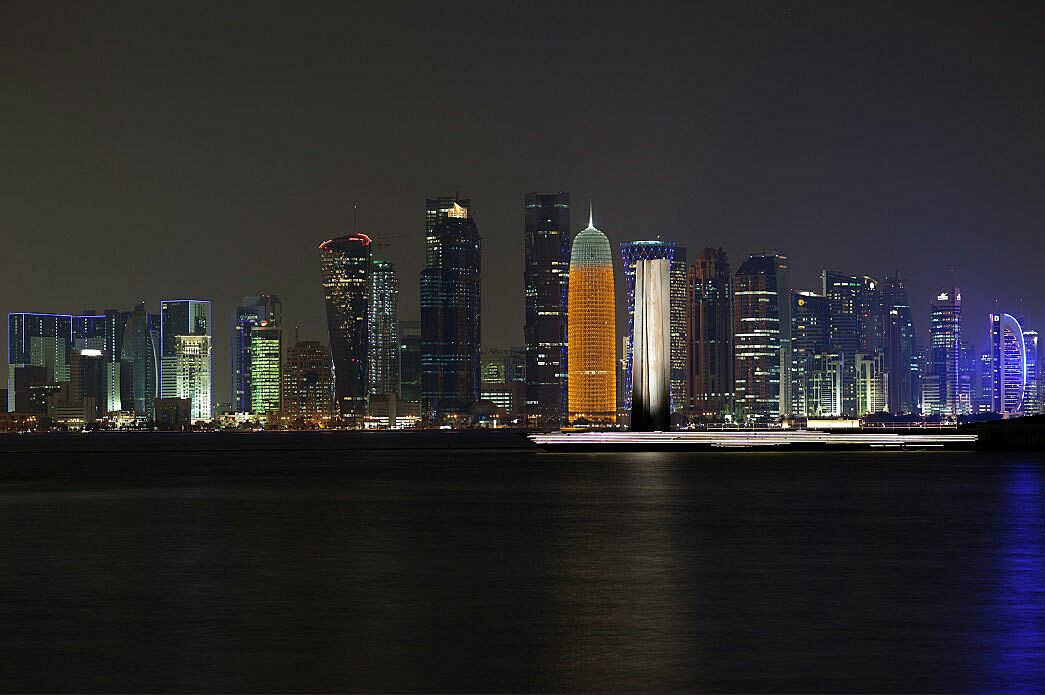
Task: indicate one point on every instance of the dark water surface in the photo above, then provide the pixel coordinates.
(469, 562)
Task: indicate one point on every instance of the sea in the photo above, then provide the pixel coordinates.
(474, 562)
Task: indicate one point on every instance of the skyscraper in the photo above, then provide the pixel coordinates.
(1008, 364)
(450, 307)
(899, 347)
(546, 278)
(811, 357)
(592, 380)
(346, 264)
(941, 392)
(709, 333)
(871, 383)
(1032, 393)
(43, 341)
(308, 385)
(383, 332)
(266, 368)
(257, 311)
(762, 337)
(410, 361)
(140, 357)
(633, 251)
(185, 365)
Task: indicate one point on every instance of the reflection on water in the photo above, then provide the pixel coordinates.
(1019, 605)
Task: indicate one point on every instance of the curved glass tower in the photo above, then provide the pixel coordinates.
(592, 330)
(1008, 363)
(345, 262)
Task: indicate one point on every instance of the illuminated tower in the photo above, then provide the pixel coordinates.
(345, 262)
(384, 328)
(546, 277)
(651, 347)
(592, 380)
(633, 251)
(762, 337)
(940, 388)
(1008, 364)
(450, 303)
(140, 354)
(709, 333)
(1032, 394)
(185, 357)
(264, 310)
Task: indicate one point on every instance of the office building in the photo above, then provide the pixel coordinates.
(383, 331)
(651, 347)
(633, 251)
(709, 334)
(1032, 404)
(450, 310)
(410, 361)
(140, 360)
(762, 337)
(1008, 364)
(546, 282)
(256, 311)
(592, 377)
(43, 341)
(822, 381)
(941, 384)
(266, 369)
(811, 351)
(504, 380)
(346, 264)
(899, 347)
(185, 358)
(872, 385)
(308, 385)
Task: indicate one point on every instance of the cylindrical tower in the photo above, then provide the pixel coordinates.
(591, 329)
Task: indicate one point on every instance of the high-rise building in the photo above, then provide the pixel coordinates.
(546, 278)
(383, 332)
(346, 265)
(89, 331)
(872, 383)
(857, 325)
(899, 346)
(633, 251)
(140, 358)
(592, 380)
(762, 337)
(36, 340)
(709, 333)
(1032, 404)
(410, 361)
(941, 385)
(504, 379)
(651, 347)
(1008, 364)
(810, 343)
(308, 385)
(435, 209)
(450, 306)
(266, 368)
(253, 312)
(185, 360)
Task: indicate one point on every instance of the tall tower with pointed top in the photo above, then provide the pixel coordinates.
(591, 329)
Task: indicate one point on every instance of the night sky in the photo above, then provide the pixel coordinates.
(205, 151)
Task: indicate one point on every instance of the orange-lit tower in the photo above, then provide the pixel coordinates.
(591, 329)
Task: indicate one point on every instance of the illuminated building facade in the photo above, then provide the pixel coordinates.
(592, 380)
(258, 311)
(383, 331)
(762, 337)
(266, 369)
(450, 310)
(810, 342)
(346, 263)
(899, 346)
(546, 278)
(822, 378)
(651, 347)
(709, 333)
(38, 347)
(633, 251)
(185, 365)
(941, 385)
(504, 381)
(308, 385)
(1032, 404)
(1008, 364)
(140, 357)
(872, 384)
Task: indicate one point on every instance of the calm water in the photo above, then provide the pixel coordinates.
(468, 562)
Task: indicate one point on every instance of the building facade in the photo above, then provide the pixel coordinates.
(383, 331)
(185, 365)
(651, 380)
(592, 377)
(762, 337)
(308, 385)
(450, 316)
(941, 385)
(257, 311)
(1032, 404)
(38, 351)
(709, 334)
(1008, 364)
(346, 264)
(546, 283)
(140, 357)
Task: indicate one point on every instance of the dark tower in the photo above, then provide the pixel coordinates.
(709, 334)
(546, 276)
(345, 263)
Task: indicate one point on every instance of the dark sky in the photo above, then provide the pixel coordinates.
(205, 150)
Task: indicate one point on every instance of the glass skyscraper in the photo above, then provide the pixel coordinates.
(762, 337)
(308, 385)
(261, 311)
(346, 265)
(941, 385)
(1008, 364)
(1032, 394)
(709, 333)
(39, 346)
(546, 278)
(450, 313)
(900, 347)
(140, 358)
(383, 331)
